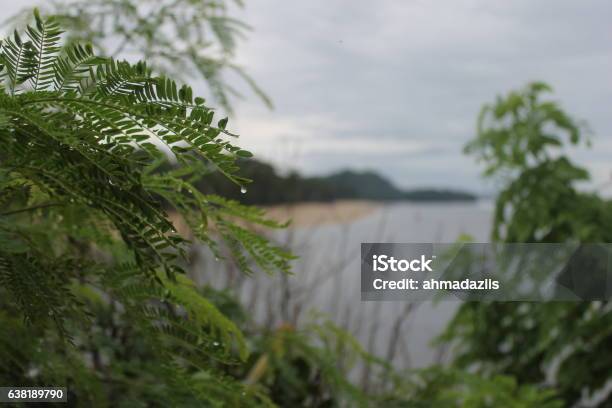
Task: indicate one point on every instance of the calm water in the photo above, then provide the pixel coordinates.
(327, 278)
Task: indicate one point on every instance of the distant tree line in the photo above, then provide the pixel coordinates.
(269, 187)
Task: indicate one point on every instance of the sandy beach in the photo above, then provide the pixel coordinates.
(302, 214)
(313, 214)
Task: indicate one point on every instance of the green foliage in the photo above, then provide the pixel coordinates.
(436, 387)
(520, 141)
(517, 132)
(182, 38)
(310, 366)
(92, 288)
(93, 294)
(567, 345)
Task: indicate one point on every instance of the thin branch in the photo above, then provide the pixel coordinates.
(33, 208)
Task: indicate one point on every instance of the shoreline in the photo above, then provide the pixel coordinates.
(310, 214)
(314, 214)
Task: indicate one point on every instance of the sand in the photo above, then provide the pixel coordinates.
(302, 215)
(313, 214)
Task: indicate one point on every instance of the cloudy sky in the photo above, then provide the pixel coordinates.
(395, 85)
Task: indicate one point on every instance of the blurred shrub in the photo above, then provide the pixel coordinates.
(184, 39)
(565, 346)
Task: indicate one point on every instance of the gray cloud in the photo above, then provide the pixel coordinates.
(418, 72)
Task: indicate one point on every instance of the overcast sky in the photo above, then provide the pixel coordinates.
(395, 85)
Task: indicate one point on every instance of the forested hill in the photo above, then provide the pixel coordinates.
(269, 187)
(370, 185)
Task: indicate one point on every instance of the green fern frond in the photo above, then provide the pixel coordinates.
(72, 69)
(85, 238)
(205, 313)
(17, 59)
(44, 37)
